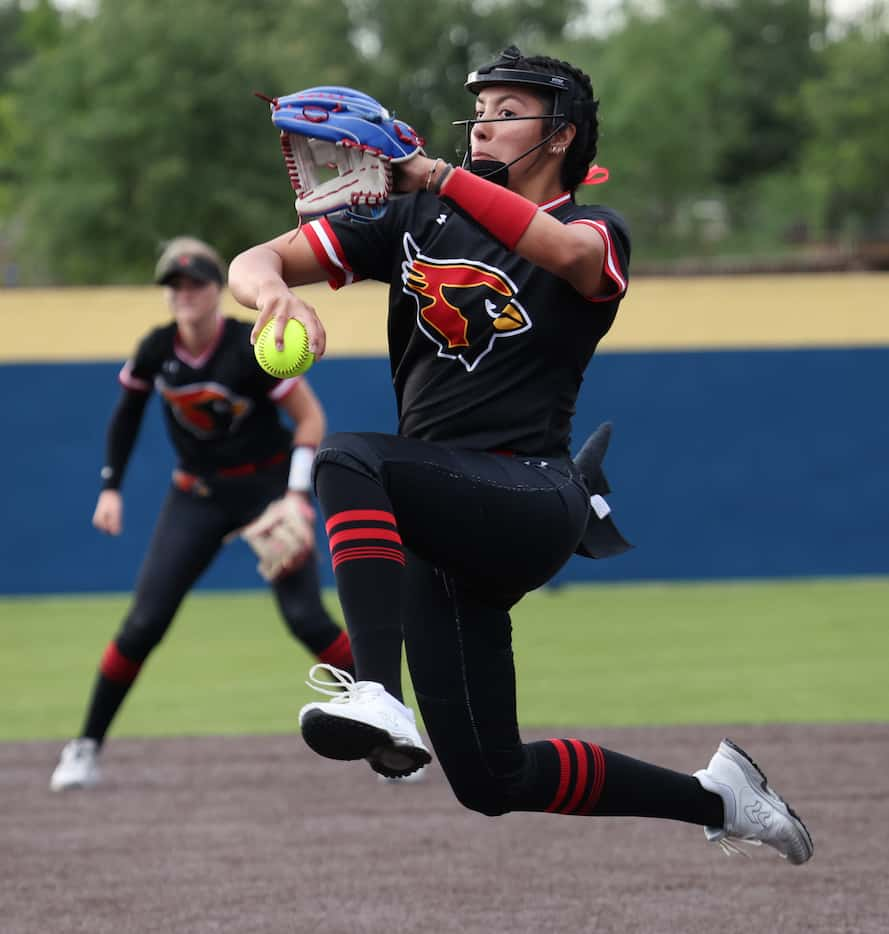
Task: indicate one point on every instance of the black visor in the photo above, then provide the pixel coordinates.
(486, 75)
(197, 267)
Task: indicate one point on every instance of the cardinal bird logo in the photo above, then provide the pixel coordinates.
(463, 306)
(207, 410)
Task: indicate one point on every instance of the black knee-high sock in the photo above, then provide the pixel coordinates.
(568, 776)
(116, 676)
(368, 561)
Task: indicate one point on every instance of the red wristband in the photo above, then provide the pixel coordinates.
(503, 213)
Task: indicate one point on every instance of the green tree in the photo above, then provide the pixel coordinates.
(23, 33)
(664, 120)
(846, 159)
(416, 60)
(771, 52)
(142, 125)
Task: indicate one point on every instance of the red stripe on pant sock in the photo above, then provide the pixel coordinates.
(338, 653)
(598, 779)
(354, 554)
(564, 774)
(117, 667)
(365, 533)
(581, 777)
(358, 540)
(359, 515)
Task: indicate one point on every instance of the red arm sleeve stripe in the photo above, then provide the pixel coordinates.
(329, 253)
(503, 213)
(611, 266)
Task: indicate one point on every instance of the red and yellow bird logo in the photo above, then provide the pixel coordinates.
(207, 410)
(463, 306)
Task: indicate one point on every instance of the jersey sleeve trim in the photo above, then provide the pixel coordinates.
(284, 388)
(128, 381)
(329, 252)
(611, 266)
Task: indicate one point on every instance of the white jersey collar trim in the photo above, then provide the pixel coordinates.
(555, 202)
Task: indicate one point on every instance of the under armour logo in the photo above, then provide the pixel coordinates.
(441, 219)
(757, 814)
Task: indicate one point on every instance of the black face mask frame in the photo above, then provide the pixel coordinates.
(566, 109)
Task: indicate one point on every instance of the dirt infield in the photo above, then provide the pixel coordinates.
(258, 835)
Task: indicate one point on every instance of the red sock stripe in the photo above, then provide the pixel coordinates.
(581, 772)
(117, 667)
(365, 552)
(366, 533)
(564, 775)
(338, 653)
(598, 778)
(359, 515)
(579, 778)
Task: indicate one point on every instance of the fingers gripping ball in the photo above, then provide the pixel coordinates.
(294, 359)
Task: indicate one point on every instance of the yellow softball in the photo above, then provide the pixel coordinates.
(294, 359)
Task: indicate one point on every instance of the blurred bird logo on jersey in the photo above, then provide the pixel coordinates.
(463, 306)
(207, 410)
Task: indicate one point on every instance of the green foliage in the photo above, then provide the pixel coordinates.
(24, 31)
(847, 156)
(609, 655)
(771, 53)
(417, 64)
(137, 131)
(665, 121)
(726, 125)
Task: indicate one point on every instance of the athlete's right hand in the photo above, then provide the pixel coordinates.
(108, 516)
(276, 301)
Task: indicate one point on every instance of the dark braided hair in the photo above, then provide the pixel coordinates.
(583, 110)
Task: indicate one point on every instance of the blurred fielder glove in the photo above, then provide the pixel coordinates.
(327, 130)
(282, 536)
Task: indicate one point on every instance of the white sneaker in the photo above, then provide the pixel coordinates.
(362, 721)
(78, 766)
(754, 813)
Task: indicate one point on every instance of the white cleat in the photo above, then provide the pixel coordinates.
(362, 721)
(78, 766)
(754, 813)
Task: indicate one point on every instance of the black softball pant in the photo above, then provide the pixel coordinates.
(480, 530)
(187, 537)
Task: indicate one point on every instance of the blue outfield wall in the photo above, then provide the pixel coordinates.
(724, 464)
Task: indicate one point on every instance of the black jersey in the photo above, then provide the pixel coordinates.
(221, 407)
(487, 350)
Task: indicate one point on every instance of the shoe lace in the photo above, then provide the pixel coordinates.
(336, 683)
(732, 849)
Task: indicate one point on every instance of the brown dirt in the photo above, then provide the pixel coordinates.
(258, 835)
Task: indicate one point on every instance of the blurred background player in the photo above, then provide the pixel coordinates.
(501, 287)
(238, 466)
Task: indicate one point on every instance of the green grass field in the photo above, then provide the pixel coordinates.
(610, 655)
